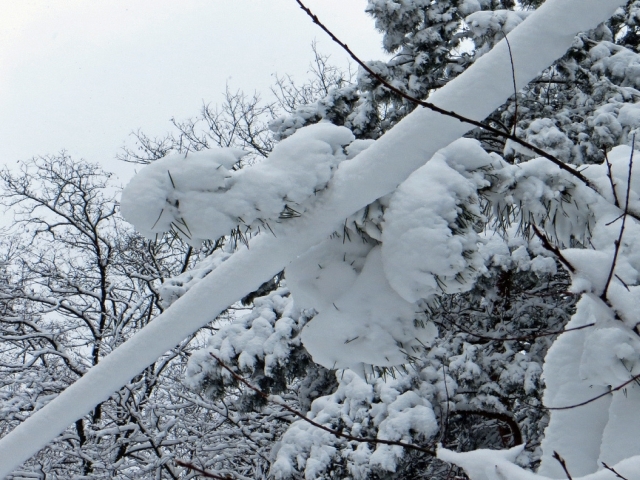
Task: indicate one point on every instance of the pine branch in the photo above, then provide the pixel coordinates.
(300, 415)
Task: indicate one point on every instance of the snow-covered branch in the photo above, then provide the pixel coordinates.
(356, 183)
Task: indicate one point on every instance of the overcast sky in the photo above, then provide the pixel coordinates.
(81, 75)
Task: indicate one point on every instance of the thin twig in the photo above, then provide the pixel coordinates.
(612, 470)
(515, 87)
(552, 248)
(445, 420)
(442, 111)
(316, 424)
(597, 397)
(202, 472)
(618, 242)
(523, 338)
(610, 175)
(561, 461)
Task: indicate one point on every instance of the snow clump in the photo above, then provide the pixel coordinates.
(201, 197)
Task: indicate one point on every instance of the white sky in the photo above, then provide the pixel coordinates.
(80, 75)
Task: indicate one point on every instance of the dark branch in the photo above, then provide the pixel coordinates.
(618, 242)
(561, 461)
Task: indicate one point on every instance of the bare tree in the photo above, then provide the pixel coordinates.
(242, 120)
(75, 282)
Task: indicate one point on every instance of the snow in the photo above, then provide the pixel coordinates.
(176, 287)
(618, 61)
(492, 23)
(543, 37)
(429, 247)
(263, 338)
(370, 324)
(200, 197)
(499, 465)
(574, 433)
(623, 417)
(326, 271)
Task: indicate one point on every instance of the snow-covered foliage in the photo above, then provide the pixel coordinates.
(201, 197)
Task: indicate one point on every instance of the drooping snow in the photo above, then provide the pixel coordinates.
(369, 325)
(430, 247)
(575, 433)
(326, 271)
(500, 465)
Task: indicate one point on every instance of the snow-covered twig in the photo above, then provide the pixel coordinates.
(300, 415)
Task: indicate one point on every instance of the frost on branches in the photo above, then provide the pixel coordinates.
(440, 306)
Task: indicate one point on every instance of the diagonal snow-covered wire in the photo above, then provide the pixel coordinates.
(486, 85)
